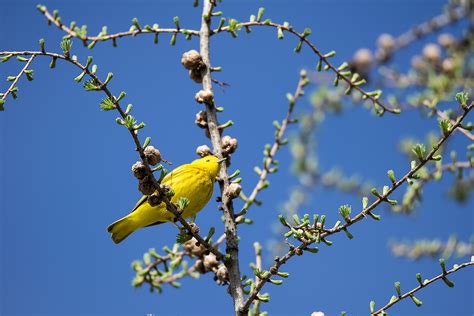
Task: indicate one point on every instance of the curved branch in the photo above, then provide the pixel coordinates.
(466, 132)
(115, 36)
(430, 26)
(425, 283)
(171, 207)
(361, 215)
(323, 58)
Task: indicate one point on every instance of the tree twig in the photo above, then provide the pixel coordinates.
(171, 207)
(361, 215)
(15, 81)
(424, 284)
(323, 58)
(270, 159)
(115, 36)
(467, 133)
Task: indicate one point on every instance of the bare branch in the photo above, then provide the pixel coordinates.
(107, 37)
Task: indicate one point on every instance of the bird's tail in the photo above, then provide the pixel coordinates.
(121, 229)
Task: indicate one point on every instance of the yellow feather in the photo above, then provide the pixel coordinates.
(194, 181)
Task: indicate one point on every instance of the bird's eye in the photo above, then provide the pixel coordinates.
(207, 160)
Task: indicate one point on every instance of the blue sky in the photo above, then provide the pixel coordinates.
(65, 165)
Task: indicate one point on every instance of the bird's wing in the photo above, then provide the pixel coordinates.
(178, 174)
(182, 173)
(140, 202)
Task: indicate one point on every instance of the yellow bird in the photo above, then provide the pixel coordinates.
(194, 181)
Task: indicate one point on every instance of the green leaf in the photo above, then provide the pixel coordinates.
(129, 109)
(41, 44)
(6, 58)
(448, 282)
(443, 265)
(415, 300)
(330, 54)
(298, 47)
(107, 104)
(296, 219)
(109, 77)
(91, 85)
(391, 176)
(365, 202)
(173, 39)
(374, 216)
(418, 278)
(280, 34)
(53, 63)
(345, 211)
(445, 126)
(283, 274)
(121, 96)
(136, 24)
(79, 78)
(183, 202)
(260, 14)
(211, 233)
(176, 21)
(397, 288)
(283, 220)
(462, 98)
(182, 237)
(66, 45)
(129, 121)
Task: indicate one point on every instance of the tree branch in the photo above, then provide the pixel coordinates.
(350, 221)
(443, 116)
(171, 207)
(270, 159)
(106, 37)
(423, 284)
(232, 248)
(324, 58)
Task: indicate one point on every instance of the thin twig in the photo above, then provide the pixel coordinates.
(275, 147)
(232, 247)
(293, 251)
(15, 81)
(115, 36)
(171, 207)
(303, 38)
(419, 287)
(258, 267)
(430, 26)
(467, 133)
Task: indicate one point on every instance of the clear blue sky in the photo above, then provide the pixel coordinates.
(65, 165)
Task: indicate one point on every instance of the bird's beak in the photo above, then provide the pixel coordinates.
(221, 160)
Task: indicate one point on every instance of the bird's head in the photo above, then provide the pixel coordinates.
(210, 163)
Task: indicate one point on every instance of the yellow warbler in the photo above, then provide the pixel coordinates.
(194, 181)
